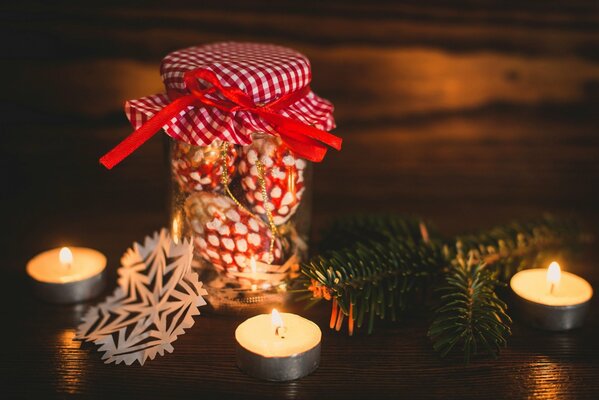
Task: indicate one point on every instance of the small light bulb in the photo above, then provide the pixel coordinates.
(176, 228)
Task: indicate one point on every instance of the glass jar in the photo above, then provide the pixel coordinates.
(247, 210)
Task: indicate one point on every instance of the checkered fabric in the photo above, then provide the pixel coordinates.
(263, 71)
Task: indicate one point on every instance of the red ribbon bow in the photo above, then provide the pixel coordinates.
(305, 140)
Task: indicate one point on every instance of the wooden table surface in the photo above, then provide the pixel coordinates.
(40, 360)
(468, 114)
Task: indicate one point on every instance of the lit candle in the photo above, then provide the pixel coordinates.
(67, 275)
(552, 299)
(278, 346)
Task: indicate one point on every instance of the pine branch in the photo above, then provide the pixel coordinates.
(373, 279)
(363, 228)
(381, 266)
(509, 248)
(472, 318)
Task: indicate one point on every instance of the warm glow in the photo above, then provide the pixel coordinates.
(291, 180)
(73, 369)
(554, 273)
(176, 229)
(253, 265)
(65, 256)
(276, 319)
(261, 336)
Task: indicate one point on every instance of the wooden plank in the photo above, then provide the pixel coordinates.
(464, 171)
(516, 26)
(363, 83)
(467, 113)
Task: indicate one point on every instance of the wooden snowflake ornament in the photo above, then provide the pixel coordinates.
(155, 301)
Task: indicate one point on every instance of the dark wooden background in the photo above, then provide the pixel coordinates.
(469, 113)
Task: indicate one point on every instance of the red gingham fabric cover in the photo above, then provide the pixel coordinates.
(263, 71)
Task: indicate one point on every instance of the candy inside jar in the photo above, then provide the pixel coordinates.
(247, 210)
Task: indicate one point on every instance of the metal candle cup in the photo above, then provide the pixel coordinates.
(278, 352)
(554, 303)
(77, 278)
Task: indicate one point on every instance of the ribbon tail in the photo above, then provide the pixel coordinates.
(310, 150)
(289, 124)
(307, 141)
(145, 132)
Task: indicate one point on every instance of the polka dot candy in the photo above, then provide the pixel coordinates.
(197, 168)
(227, 235)
(284, 177)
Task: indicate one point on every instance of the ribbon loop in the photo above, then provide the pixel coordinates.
(305, 140)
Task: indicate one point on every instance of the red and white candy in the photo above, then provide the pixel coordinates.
(283, 177)
(227, 235)
(199, 168)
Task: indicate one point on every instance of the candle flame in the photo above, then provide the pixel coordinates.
(554, 273)
(65, 256)
(276, 319)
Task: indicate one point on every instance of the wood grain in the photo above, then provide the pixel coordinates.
(468, 113)
(396, 360)
(388, 60)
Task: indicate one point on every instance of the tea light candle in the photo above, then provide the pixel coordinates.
(67, 275)
(278, 346)
(552, 299)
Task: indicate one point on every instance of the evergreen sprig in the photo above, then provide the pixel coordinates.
(362, 228)
(471, 317)
(374, 278)
(383, 265)
(507, 249)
